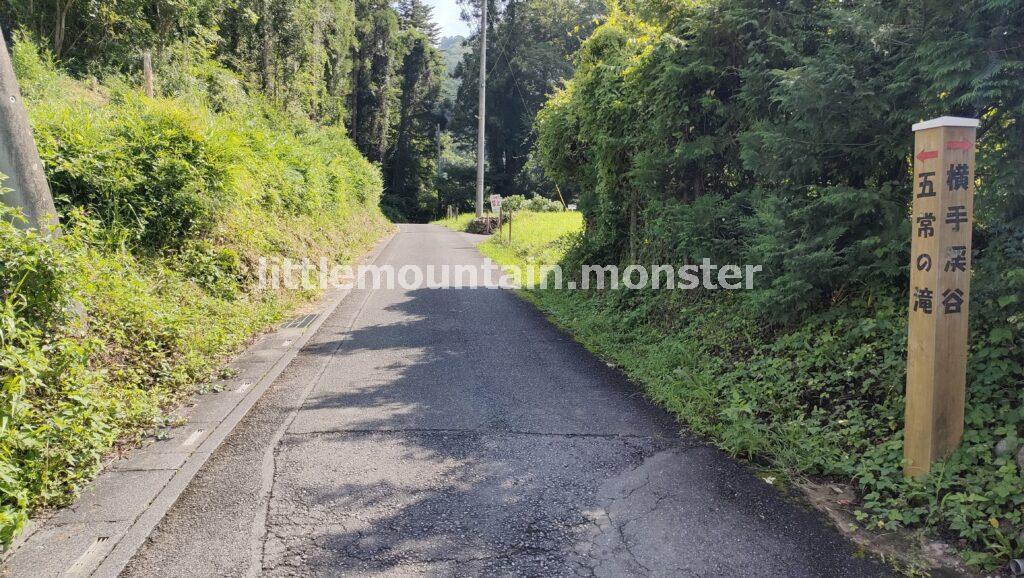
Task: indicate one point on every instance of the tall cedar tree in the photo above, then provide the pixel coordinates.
(373, 57)
(410, 188)
(528, 47)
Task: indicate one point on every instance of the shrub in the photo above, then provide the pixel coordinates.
(794, 139)
(539, 204)
(168, 172)
(166, 206)
(144, 166)
(33, 275)
(535, 204)
(513, 203)
(52, 430)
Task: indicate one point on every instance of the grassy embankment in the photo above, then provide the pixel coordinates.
(773, 398)
(167, 205)
(538, 239)
(458, 223)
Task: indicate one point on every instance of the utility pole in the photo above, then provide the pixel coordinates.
(482, 112)
(27, 189)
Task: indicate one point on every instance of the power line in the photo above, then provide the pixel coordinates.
(501, 52)
(515, 81)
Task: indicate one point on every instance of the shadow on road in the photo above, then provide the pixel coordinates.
(457, 431)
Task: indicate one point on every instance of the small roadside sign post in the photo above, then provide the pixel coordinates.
(147, 74)
(496, 208)
(940, 277)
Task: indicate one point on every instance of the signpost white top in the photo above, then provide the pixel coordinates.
(939, 290)
(946, 121)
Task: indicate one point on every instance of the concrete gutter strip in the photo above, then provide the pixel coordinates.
(107, 524)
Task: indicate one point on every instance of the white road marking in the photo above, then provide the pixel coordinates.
(86, 560)
(192, 439)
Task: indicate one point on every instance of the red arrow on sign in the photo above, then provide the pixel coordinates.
(959, 144)
(925, 155)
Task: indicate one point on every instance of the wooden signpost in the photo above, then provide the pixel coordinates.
(940, 280)
(496, 207)
(147, 74)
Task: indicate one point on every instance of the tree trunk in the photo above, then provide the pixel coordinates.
(60, 28)
(265, 48)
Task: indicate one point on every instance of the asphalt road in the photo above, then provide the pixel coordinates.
(455, 432)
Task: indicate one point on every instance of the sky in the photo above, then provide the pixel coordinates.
(446, 14)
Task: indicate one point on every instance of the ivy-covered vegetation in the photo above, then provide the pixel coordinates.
(779, 134)
(167, 205)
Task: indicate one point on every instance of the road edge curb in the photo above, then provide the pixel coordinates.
(121, 554)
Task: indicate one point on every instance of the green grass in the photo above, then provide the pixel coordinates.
(458, 223)
(536, 238)
(532, 240)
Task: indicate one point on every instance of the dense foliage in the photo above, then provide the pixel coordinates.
(167, 205)
(536, 204)
(363, 64)
(412, 164)
(746, 132)
(778, 134)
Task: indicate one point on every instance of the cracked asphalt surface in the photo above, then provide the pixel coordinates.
(456, 432)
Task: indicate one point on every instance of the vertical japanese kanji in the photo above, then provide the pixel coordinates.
(940, 275)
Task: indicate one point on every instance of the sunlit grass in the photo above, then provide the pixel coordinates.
(537, 239)
(458, 223)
